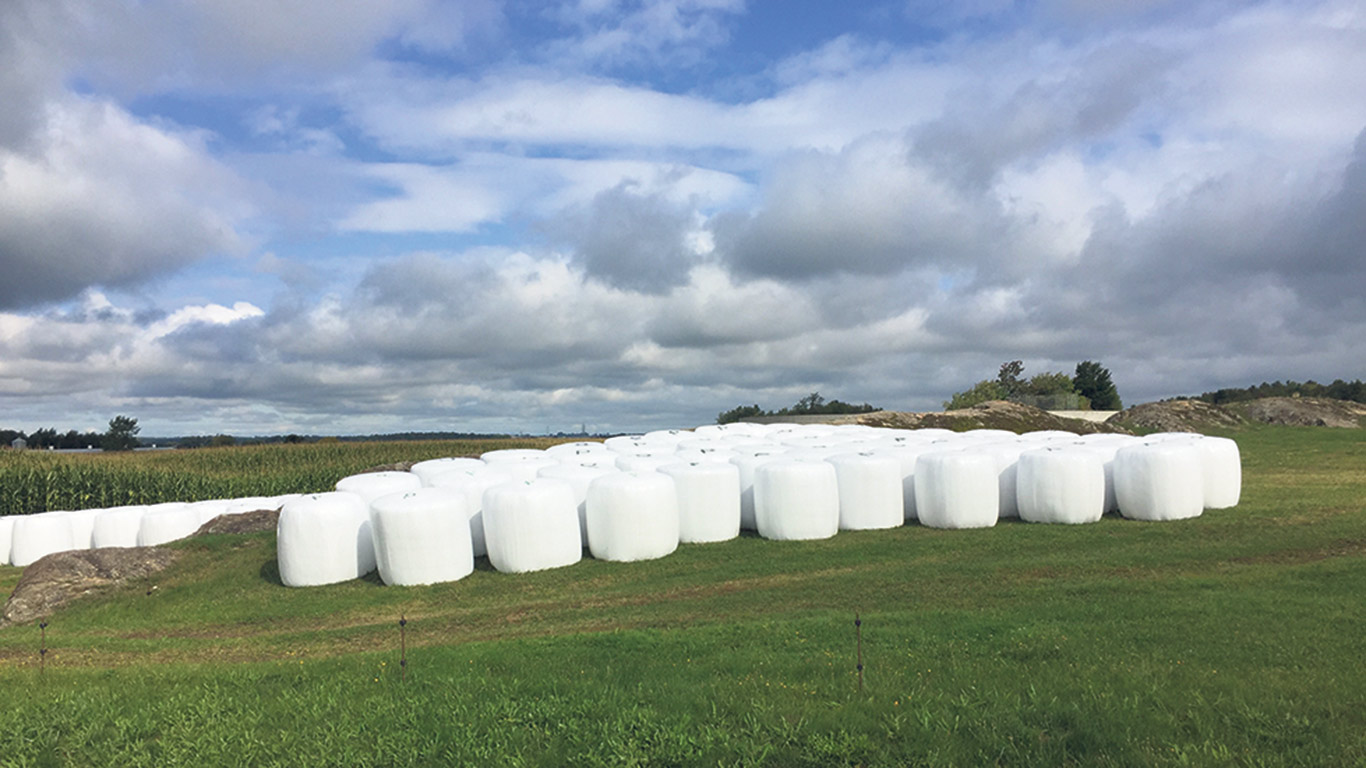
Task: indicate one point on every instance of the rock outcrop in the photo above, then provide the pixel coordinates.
(59, 578)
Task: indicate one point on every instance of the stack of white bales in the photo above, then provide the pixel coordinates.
(637, 497)
(26, 538)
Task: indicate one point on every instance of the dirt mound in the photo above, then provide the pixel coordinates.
(59, 578)
(996, 414)
(246, 522)
(1302, 411)
(1177, 416)
(1199, 416)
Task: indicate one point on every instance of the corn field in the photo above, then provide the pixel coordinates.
(40, 481)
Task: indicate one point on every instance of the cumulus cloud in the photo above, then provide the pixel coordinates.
(102, 199)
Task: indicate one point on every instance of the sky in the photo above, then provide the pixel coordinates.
(261, 217)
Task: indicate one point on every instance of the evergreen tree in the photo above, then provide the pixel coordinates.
(1093, 382)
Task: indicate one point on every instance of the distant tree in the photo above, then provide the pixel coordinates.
(221, 441)
(1009, 377)
(1049, 384)
(739, 413)
(981, 392)
(43, 438)
(1093, 382)
(293, 438)
(122, 434)
(810, 404)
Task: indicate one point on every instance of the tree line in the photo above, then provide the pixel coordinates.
(121, 436)
(811, 405)
(1090, 387)
(1354, 391)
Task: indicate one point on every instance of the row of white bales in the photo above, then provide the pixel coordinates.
(637, 497)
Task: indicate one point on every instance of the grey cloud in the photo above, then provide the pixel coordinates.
(1092, 96)
(871, 209)
(630, 239)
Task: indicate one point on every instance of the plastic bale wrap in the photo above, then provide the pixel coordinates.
(579, 477)
(1223, 471)
(208, 510)
(1006, 454)
(629, 463)
(632, 516)
(1050, 436)
(426, 470)
(1160, 481)
(708, 500)
(117, 527)
(83, 527)
(472, 483)
(668, 436)
(604, 460)
(511, 454)
(6, 537)
(795, 500)
(1061, 485)
(422, 537)
(372, 485)
(37, 536)
(524, 469)
(906, 455)
(957, 489)
(324, 538)
(563, 450)
(869, 490)
(747, 464)
(718, 455)
(163, 523)
(532, 525)
(251, 504)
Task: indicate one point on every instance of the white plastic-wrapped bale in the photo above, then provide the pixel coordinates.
(422, 536)
(869, 490)
(1006, 454)
(163, 523)
(906, 455)
(39, 535)
(632, 516)
(1049, 435)
(690, 455)
(6, 537)
(324, 538)
(629, 463)
(208, 510)
(1223, 472)
(796, 500)
(579, 477)
(511, 454)
(979, 436)
(604, 460)
(747, 464)
(1061, 485)
(372, 485)
(708, 500)
(117, 527)
(532, 525)
(82, 527)
(667, 436)
(957, 489)
(472, 483)
(250, 504)
(1160, 481)
(426, 470)
(578, 448)
(524, 467)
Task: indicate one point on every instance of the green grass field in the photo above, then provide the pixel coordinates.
(1238, 638)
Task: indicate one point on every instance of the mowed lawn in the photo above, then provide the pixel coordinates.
(1233, 639)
